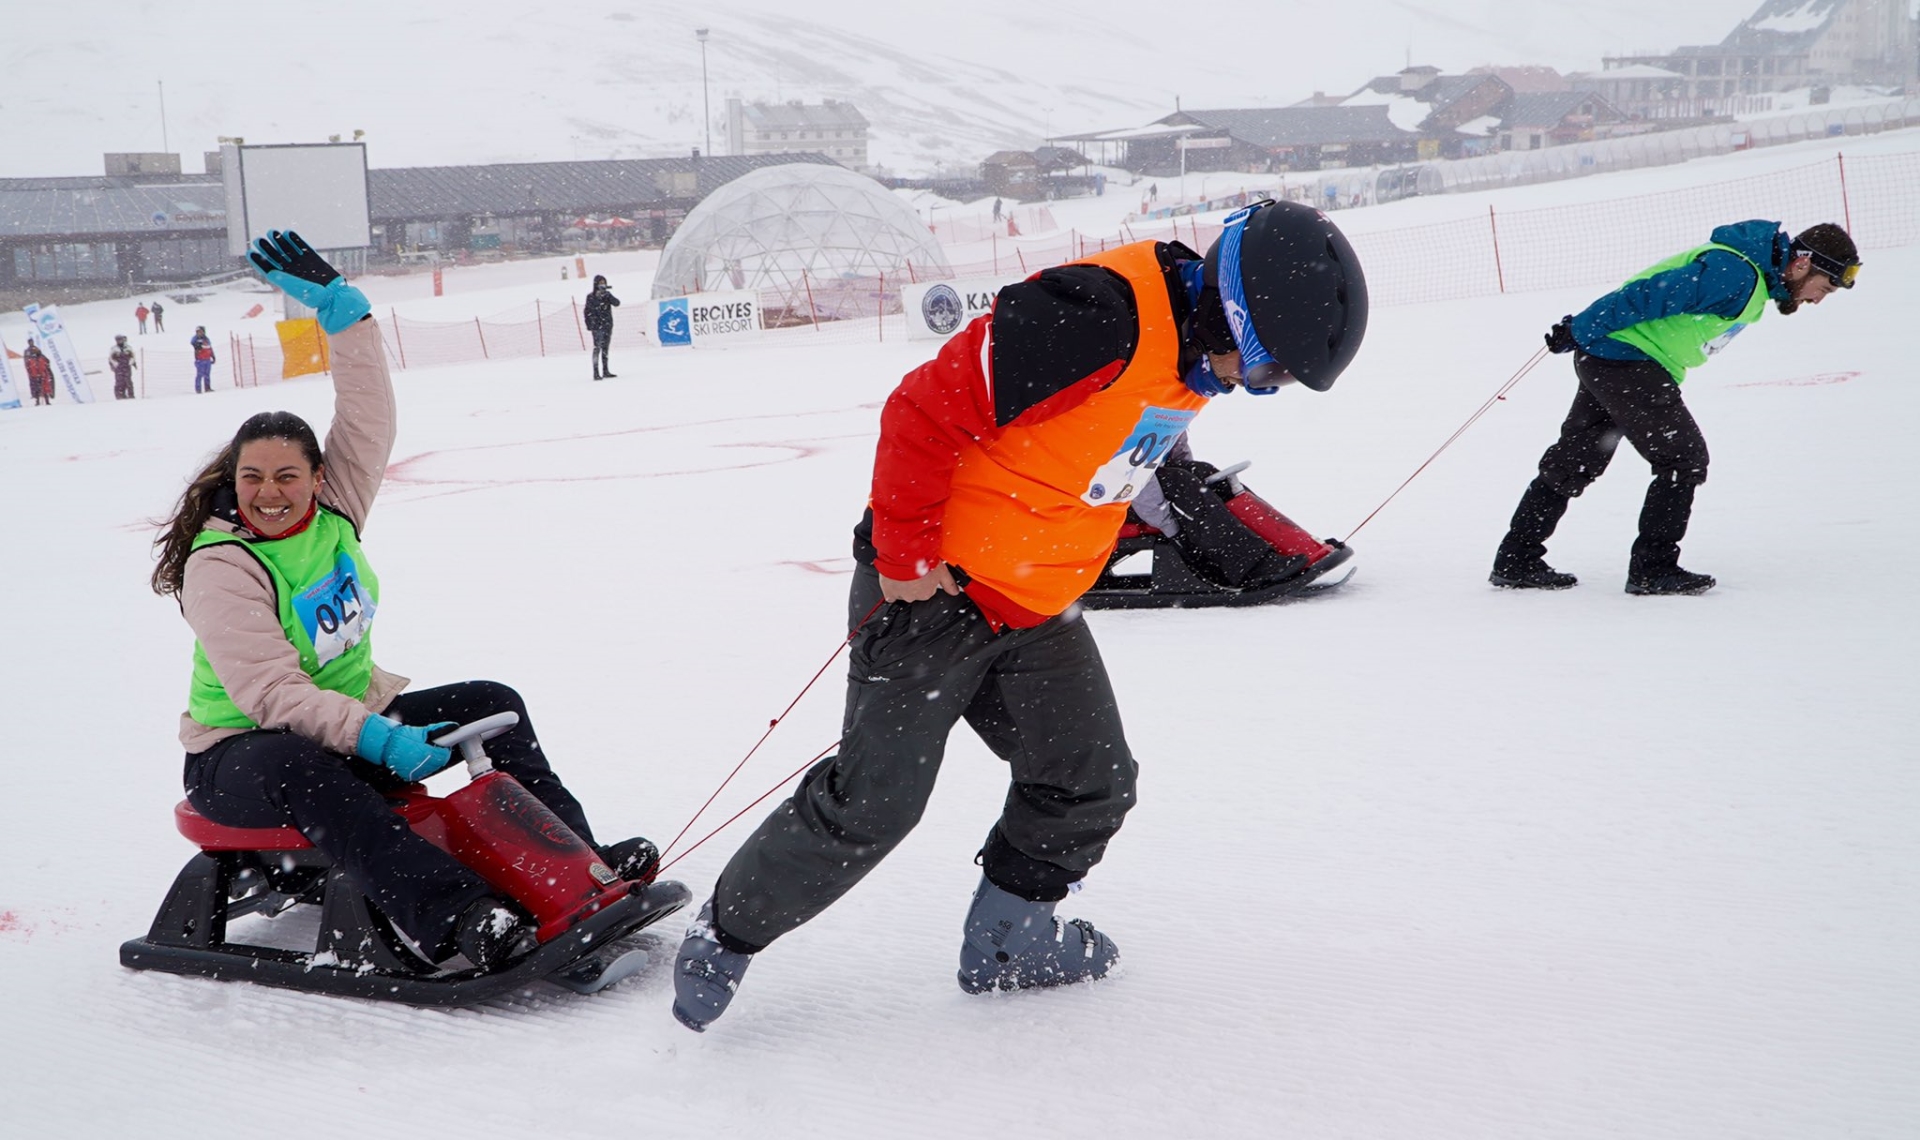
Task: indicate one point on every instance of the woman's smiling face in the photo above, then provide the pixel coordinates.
(275, 485)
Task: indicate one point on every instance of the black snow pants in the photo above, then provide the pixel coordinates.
(268, 778)
(1638, 401)
(602, 338)
(1039, 697)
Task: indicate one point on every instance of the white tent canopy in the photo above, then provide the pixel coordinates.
(787, 229)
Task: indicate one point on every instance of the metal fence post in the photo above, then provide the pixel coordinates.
(482, 333)
(1499, 270)
(398, 342)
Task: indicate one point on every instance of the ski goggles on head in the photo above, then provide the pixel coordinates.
(1259, 371)
(1841, 273)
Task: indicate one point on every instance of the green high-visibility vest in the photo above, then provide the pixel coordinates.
(326, 594)
(1685, 341)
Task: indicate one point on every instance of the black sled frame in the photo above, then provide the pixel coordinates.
(1175, 584)
(357, 953)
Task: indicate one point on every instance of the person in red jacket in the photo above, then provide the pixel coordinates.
(140, 314)
(1001, 480)
(39, 374)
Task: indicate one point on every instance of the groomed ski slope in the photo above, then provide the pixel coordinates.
(1417, 859)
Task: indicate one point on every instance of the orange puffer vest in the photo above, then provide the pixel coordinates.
(1034, 514)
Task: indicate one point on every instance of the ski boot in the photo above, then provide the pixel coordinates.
(706, 974)
(1014, 944)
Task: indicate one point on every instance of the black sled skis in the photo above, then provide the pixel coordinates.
(1233, 549)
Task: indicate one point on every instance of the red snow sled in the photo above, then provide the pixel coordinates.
(1234, 549)
(493, 825)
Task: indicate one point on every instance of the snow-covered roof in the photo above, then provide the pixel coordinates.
(1403, 111)
(830, 115)
(110, 205)
(1783, 27)
(1636, 71)
(1304, 126)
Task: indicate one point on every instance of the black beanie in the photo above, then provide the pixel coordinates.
(1830, 242)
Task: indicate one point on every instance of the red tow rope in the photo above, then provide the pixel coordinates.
(1498, 396)
(771, 725)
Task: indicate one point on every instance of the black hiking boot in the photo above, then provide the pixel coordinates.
(1529, 574)
(491, 935)
(634, 858)
(1669, 581)
(1520, 563)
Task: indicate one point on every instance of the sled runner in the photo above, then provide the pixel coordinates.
(1233, 549)
(493, 825)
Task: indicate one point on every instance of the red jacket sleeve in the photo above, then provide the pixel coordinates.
(1049, 343)
(943, 402)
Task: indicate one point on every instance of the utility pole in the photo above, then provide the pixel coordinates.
(706, 107)
(163, 116)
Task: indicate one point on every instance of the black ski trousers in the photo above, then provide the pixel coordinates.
(269, 778)
(1039, 697)
(1635, 400)
(602, 338)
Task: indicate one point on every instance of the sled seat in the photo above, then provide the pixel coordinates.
(211, 836)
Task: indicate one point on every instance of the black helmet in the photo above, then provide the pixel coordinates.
(598, 280)
(1293, 293)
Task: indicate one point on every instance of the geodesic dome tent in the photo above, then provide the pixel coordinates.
(818, 242)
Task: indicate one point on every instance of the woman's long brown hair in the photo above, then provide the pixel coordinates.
(190, 516)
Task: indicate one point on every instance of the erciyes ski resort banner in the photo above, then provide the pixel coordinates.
(706, 317)
(54, 341)
(9, 395)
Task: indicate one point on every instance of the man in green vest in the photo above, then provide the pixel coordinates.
(1632, 349)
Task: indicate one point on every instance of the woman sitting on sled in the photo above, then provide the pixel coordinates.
(288, 720)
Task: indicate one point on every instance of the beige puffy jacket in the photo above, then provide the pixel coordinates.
(229, 600)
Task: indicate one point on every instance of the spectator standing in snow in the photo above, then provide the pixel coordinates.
(120, 362)
(289, 721)
(1000, 484)
(996, 209)
(159, 324)
(202, 360)
(1631, 350)
(39, 373)
(599, 317)
(140, 314)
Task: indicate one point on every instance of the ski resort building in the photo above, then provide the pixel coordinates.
(832, 128)
(145, 222)
(1784, 46)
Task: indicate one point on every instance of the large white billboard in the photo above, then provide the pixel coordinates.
(318, 190)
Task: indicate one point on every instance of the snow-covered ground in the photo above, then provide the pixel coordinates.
(1415, 859)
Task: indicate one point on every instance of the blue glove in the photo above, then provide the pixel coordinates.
(403, 748)
(291, 266)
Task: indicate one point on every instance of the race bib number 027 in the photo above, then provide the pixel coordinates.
(1119, 479)
(335, 611)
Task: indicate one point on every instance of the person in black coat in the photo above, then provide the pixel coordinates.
(599, 316)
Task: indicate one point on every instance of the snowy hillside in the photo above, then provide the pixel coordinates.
(492, 81)
(1414, 859)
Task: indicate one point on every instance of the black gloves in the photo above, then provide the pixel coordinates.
(292, 267)
(1560, 336)
(288, 252)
